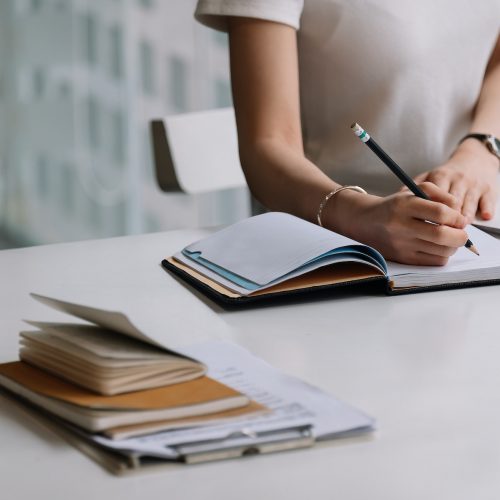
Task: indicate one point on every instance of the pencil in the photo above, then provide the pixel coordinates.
(364, 136)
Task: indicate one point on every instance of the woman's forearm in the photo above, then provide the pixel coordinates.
(283, 179)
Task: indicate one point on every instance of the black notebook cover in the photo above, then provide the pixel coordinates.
(378, 284)
(367, 285)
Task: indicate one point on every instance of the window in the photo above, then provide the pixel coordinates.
(116, 51)
(152, 223)
(39, 83)
(94, 215)
(42, 176)
(118, 137)
(35, 5)
(64, 89)
(61, 5)
(222, 94)
(178, 84)
(147, 67)
(220, 38)
(67, 189)
(89, 38)
(120, 219)
(93, 122)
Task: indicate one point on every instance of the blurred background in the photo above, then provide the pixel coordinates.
(79, 82)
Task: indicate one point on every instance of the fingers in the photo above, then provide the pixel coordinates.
(440, 178)
(458, 190)
(421, 177)
(425, 259)
(425, 254)
(430, 248)
(441, 235)
(426, 210)
(435, 193)
(487, 204)
(470, 204)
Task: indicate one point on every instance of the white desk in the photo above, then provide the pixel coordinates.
(427, 366)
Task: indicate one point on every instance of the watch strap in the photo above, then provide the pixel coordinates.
(489, 140)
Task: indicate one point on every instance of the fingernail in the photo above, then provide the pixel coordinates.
(486, 215)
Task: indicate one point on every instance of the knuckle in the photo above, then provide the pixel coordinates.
(427, 185)
(439, 234)
(439, 174)
(440, 212)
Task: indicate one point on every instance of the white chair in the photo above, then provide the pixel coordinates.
(197, 152)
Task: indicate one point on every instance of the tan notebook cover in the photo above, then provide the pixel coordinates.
(126, 431)
(328, 275)
(200, 390)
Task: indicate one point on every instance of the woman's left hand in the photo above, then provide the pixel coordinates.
(470, 175)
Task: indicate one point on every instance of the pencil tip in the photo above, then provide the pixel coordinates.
(473, 249)
(354, 125)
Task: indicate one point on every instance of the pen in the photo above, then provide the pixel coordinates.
(364, 136)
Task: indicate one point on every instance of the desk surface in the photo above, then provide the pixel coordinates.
(426, 366)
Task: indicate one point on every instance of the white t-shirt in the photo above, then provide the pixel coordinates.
(408, 71)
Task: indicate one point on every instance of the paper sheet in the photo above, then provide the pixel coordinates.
(265, 247)
(293, 402)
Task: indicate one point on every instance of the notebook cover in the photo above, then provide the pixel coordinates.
(123, 431)
(113, 462)
(379, 281)
(200, 390)
(445, 286)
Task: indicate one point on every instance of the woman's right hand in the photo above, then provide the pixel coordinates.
(398, 225)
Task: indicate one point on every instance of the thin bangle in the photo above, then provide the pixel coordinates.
(331, 194)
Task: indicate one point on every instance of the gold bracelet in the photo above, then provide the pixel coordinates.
(331, 194)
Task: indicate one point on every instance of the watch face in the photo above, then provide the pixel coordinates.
(493, 145)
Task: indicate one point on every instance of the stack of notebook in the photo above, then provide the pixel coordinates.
(104, 380)
(129, 403)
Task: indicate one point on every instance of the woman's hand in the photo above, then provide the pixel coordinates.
(398, 226)
(470, 175)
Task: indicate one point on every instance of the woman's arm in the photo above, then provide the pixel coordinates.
(470, 175)
(264, 74)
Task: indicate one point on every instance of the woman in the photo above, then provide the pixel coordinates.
(419, 75)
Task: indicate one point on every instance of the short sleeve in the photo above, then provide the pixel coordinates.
(214, 13)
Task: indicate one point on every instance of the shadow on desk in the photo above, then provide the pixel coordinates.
(25, 420)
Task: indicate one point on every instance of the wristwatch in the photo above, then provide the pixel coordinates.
(490, 141)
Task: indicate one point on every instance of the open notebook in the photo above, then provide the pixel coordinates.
(277, 253)
(109, 355)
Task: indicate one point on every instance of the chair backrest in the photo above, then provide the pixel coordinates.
(197, 152)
